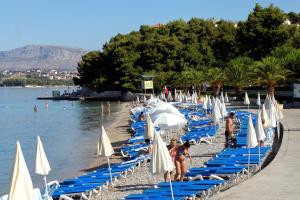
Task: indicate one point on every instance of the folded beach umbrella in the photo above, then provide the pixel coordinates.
(267, 102)
(272, 115)
(258, 99)
(21, 187)
(251, 135)
(223, 110)
(216, 113)
(137, 99)
(105, 148)
(226, 98)
(144, 98)
(209, 103)
(42, 166)
(205, 104)
(251, 140)
(265, 117)
(259, 130)
(222, 97)
(246, 99)
(149, 128)
(161, 161)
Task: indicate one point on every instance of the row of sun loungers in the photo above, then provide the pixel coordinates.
(231, 163)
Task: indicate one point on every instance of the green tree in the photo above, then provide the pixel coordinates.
(238, 73)
(269, 71)
(216, 77)
(262, 32)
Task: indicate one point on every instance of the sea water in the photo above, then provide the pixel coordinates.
(69, 131)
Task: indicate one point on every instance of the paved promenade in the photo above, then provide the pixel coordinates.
(280, 180)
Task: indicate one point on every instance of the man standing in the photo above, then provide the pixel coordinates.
(229, 128)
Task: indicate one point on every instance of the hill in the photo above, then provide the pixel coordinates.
(41, 56)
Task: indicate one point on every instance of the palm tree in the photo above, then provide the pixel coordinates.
(216, 76)
(238, 74)
(270, 71)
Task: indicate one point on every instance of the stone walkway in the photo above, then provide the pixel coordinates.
(281, 178)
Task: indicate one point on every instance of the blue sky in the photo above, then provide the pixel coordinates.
(89, 24)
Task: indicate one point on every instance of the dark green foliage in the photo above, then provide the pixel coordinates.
(183, 54)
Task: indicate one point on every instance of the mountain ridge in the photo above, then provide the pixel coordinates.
(41, 56)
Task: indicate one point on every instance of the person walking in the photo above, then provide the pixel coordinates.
(229, 129)
(172, 150)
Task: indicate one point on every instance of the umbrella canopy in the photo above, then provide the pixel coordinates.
(216, 113)
(223, 110)
(21, 185)
(279, 109)
(267, 101)
(265, 117)
(226, 98)
(259, 129)
(205, 104)
(161, 161)
(149, 128)
(209, 103)
(272, 115)
(104, 145)
(163, 107)
(169, 120)
(258, 99)
(42, 166)
(222, 97)
(251, 135)
(246, 100)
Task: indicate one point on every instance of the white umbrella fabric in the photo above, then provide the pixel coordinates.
(223, 110)
(259, 130)
(251, 140)
(272, 115)
(258, 100)
(105, 148)
(21, 185)
(168, 121)
(209, 103)
(216, 113)
(226, 98)
(205, 105)
(149, 128)
(246, 100)
(222, 97)
(161, 161)
(42, 166)
(265, 117)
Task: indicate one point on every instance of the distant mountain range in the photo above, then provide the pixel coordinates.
(41, 56)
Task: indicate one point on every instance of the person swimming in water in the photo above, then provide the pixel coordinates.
(35, 109)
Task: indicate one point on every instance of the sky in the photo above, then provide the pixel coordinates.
(88, 24)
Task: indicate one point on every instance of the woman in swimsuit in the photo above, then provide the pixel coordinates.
(181, 153)
(172, 150)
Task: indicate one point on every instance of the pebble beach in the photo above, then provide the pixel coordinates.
(142, 178)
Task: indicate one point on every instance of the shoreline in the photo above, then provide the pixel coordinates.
(118, 135)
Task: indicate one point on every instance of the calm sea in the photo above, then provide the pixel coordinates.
(68, 129)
